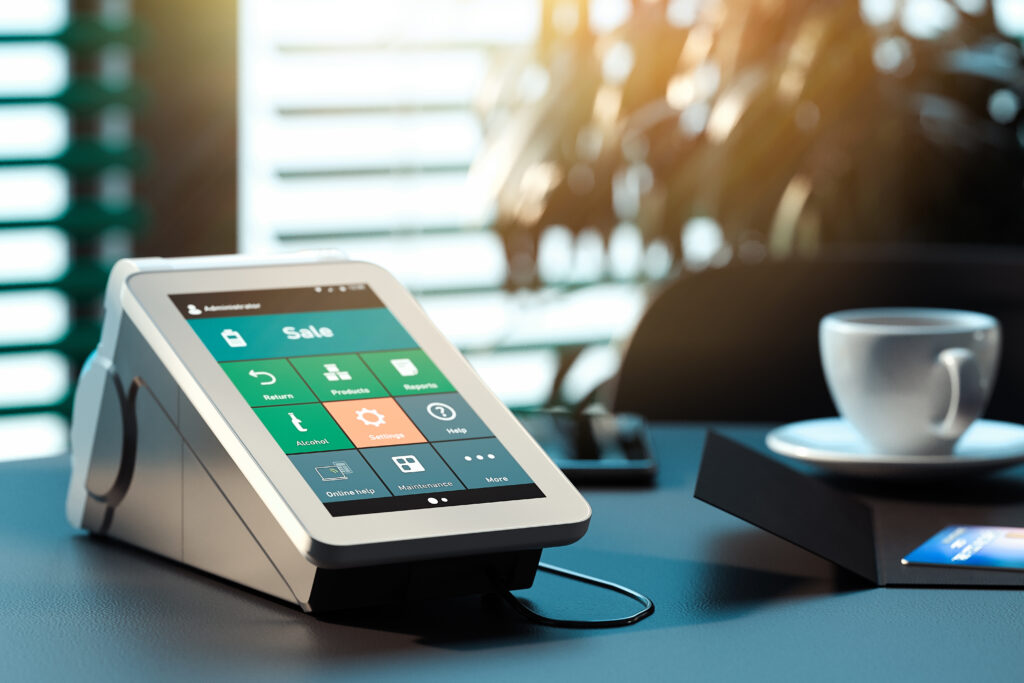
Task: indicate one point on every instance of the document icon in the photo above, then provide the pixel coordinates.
(405, 367)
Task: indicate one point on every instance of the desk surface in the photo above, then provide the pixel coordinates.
(733, 603)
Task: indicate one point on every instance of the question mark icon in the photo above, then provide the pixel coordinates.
(441, 411)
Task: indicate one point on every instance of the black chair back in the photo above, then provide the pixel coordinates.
(741, 342)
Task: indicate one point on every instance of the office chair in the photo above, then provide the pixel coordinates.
(741, 342)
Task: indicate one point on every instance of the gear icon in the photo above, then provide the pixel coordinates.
(362, 414)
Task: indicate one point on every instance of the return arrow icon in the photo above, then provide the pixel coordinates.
(255, 374)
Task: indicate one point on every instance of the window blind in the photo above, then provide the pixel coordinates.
(358, 127)
(65, 202)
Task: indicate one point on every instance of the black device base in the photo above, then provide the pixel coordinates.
(865, 527)
(339, 589)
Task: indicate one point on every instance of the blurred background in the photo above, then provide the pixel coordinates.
(532, 169)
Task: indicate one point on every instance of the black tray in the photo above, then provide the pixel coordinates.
(865, 527)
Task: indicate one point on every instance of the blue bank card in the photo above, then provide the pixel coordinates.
(992, 547)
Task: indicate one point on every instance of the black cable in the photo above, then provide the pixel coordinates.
(519, 606)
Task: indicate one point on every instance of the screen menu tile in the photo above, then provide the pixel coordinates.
(364, 415)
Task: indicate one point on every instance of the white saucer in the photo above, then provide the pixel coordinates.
(833, 444)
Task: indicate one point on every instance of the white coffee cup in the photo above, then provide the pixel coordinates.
(910, 380)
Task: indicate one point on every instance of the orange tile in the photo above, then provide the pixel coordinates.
(374, 422)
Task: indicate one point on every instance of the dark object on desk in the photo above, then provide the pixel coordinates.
(741, 342)
(594, 448)
(864, 529)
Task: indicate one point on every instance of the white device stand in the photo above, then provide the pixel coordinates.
(146, 470)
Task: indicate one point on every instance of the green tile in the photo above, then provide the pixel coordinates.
(268, 382)
(304, 428)
(338, 377)
(406, 373)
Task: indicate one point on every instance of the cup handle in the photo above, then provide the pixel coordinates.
(966, 399)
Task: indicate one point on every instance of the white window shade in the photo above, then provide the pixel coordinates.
(357, 131)
(32, 67)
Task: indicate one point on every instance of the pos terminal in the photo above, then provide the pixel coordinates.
(297, 425)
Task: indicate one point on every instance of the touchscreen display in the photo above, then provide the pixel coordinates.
(364, 415)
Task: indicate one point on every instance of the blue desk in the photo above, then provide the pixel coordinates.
(733, 603)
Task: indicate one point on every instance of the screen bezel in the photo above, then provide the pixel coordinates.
(278, 483)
